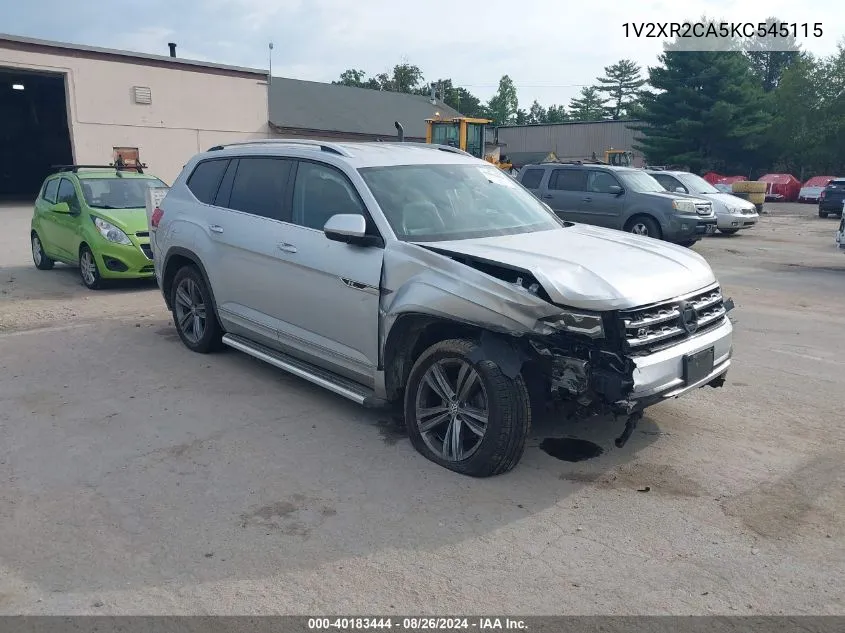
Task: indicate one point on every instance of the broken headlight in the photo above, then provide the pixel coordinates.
(584, 323)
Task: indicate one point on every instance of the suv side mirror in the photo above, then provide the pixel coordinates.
(348, 228)
(616, 190)
(60, 207)
(680, 190)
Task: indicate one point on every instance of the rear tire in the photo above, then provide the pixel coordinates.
(88, 270)
(193, 312)
(645, 226)
(728, 231)
(463, 415)
(822, 214)
(39, 257)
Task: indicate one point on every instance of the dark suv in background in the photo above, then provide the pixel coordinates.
(832, 198)
(620, 198)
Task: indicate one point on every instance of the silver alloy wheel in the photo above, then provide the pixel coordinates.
(451, 409)
(190, 310)
(88, 268)
(639, 229)
(37, 252)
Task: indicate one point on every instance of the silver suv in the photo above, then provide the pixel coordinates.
(416, 275)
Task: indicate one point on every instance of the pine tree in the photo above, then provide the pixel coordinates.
(621, 84)
(709, 112)
(588, 106)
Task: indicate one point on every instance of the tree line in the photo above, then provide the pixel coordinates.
(611, 98)
(738, 109)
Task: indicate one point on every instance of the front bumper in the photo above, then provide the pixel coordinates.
(831, 206)
(660, 376)
(124, 261)
(685, 227)
(730, 221)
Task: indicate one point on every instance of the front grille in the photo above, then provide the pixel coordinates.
(148, 251)
(659, 326)
(703, 208)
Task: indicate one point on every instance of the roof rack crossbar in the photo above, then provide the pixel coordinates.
(76, 168)
(332, 148)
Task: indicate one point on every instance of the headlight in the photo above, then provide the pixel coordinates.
(110, 231)
(578, 323)
(734, 210)
(685, 206)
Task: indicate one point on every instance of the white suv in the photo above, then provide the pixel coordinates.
(417, 275)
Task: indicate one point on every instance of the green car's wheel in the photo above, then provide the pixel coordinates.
(88, 268)
(42, 262)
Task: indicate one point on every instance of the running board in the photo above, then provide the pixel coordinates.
(316, 375)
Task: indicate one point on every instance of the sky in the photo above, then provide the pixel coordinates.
(550, 48)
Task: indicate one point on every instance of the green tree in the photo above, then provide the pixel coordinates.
(537, 113)
(357, 79)
(621, 83)
(504, 104)
(588, 106)
(458, 98)
(709, 111)
(557, 114)
(405, 77)
(771, 56)
(521, 117)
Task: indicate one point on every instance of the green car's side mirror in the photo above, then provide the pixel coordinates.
(60, 207)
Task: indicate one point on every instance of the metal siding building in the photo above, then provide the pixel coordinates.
(570, 141)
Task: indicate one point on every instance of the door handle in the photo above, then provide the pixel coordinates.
(547, 196)
(215, 228)
(288, 248)
(587, 199)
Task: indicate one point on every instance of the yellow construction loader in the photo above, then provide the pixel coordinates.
(465, 133)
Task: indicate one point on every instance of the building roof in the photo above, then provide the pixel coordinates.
(113, 52)
(570, 123)
(311, 105)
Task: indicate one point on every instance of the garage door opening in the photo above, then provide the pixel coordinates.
(34, 133)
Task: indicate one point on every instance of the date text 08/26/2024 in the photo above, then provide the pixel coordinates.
(416, 624)
(759, 30)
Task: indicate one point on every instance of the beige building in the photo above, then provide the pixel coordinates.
(62, 103)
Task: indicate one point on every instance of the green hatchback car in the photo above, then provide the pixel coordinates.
(96, 219)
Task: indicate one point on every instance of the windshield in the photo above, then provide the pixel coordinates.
(117, 193)
(697, 184)
(640, 182)
(431, 203)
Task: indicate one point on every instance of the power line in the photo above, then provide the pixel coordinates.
(527, 85)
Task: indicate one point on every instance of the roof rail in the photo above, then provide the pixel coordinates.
(332, 148)
(448, 148)
(118, 168)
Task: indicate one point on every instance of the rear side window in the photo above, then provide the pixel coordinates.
(50, 191)
(568, 180)
(532, 178)
(205, 180)
(260, 187)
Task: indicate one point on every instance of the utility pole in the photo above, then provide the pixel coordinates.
(269, 84)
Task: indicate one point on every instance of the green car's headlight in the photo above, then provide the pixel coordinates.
(110, 231)
(582, 323)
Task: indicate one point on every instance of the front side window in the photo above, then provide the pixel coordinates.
(50, 190)
(640, 182)
(67, 194)
(600, 182)
(117, 193)
(431, 203)
(320, 192)
(205, 180)
(667, 182)
(696, 184)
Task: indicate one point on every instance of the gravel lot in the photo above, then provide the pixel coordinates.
(137, 477)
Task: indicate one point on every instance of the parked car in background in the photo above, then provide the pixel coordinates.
(732, 213)
(621, 198)
(832, 198)
(414, 274)
(811, 190)
(96, 219)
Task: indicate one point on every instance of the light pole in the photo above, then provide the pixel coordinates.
(269, 84)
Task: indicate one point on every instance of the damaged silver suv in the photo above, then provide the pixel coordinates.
(416, 275)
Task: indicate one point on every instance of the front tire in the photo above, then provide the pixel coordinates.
(193, 312)
(88, 270)
(645, 226)
(39, 257)
(464, 415)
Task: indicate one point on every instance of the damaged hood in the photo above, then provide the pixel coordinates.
(593, 268)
